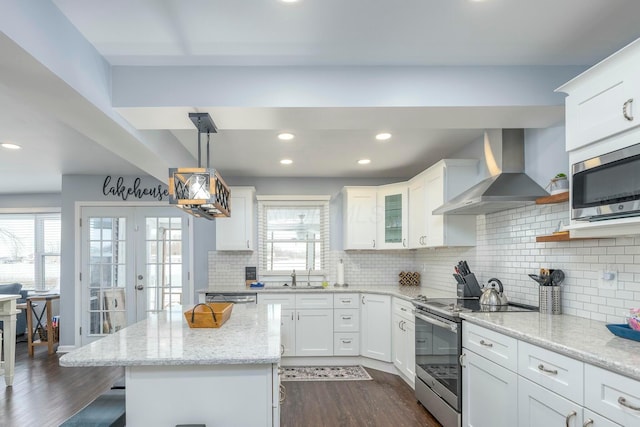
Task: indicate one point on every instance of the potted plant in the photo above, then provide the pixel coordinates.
(559, 184)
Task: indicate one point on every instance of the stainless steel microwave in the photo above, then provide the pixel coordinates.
(607, 186)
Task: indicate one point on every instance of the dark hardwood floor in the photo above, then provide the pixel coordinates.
(385, 401)
(44, 394)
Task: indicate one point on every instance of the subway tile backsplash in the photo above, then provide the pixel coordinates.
(507, 249)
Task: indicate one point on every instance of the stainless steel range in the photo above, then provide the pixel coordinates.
(438, 347)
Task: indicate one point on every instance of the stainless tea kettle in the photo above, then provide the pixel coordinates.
(492, 297)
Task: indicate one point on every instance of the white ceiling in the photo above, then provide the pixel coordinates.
(311, 33)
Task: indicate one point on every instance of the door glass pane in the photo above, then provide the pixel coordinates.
(107, 264)
(393, 218)
(163, 263)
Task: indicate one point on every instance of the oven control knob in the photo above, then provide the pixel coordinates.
(620, 207)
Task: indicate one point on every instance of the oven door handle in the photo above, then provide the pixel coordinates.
(437, 322)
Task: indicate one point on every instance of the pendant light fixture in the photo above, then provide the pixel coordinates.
(200, 191)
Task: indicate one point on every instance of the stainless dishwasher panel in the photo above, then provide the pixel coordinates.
(237, 298)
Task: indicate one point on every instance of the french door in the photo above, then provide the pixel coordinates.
(134, 261)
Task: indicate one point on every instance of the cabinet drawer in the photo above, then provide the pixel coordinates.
(591, 419)
(314, 300)
(403, 309)
(491, 345)
(346, 344)
(551, 370)
(346, 320)
(603, 391)
(345, 301)
(286, 301)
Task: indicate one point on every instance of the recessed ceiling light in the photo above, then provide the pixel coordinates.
(286, 161)
(364, 161)
(286, 136)
(289, 1)
(383, 136)
(10, 146)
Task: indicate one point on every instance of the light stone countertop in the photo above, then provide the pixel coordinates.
(582, 339)
(250, 336)
(404, 292)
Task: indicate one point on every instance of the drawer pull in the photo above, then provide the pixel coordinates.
(421, 341)
(403, 309)
(461, 360)
(548, 371)
(346, 317)
(486, 344)
(568, 418)
(588, 422)
(623, 402)
(346, 301)
(346, 341)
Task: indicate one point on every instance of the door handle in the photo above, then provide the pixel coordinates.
(568, 418)
(247, 244)
(626, 110)
(374, 243)
(139, 287)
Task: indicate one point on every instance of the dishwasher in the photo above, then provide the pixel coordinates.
(234, 297)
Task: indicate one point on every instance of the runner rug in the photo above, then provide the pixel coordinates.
(324, 373)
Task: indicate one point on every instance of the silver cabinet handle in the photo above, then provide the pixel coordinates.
(345, 301)
(247, 244)
(404, 243)
(588, 422)
(346, 317)
(346, 341)
(374, 243)
(402, 325)
(548, 371)
(421, 341)
(626, 111)
(282, 393)
(623, 402)
(403, 309)
(568, 418)
(461, 360)
(486, 344)
(298, 316)
(362, 299)
(292, 315)
(281, 349)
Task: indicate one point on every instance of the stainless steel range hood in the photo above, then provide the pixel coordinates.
(508, 187)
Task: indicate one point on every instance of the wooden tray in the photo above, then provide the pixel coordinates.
(209, 315)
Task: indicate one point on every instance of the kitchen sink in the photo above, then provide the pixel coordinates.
(292, 288)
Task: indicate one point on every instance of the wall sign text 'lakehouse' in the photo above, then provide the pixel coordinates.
(125, 191)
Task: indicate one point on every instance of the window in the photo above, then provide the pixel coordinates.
(30, 250)
(293, 234)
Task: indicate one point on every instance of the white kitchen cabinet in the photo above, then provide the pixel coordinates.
(314, 332)
(490, 393)
(537, 406)
(443, 181)
(591, 419)
(235, 233)
(359, 207)
(346, 344)
(403, 337)
(287, 333)
(393, 223)
(604, 100)
(612, 395)
(417, 212)
(375, 326)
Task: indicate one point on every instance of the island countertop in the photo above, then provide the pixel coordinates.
(250, 336)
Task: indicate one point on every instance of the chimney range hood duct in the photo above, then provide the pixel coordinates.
(508, 188)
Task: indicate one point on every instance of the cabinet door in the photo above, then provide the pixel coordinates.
(375, 329)
(489, 393)
(399, 351)
(417, 212)
(603, 108)
(434, 199)
(538, 406)
(288, 332)
(314, 332)
(235, 233)
(360, 213)
(394, 216)
(410, 349)
(591, 419)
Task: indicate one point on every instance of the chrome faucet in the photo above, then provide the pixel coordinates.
(293, 278)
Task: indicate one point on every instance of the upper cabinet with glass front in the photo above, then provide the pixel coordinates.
(236, 232)
(393, 219)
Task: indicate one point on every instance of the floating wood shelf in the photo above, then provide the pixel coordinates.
(562, 236)
(556, 198)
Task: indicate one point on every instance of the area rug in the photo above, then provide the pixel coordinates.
(324, 373)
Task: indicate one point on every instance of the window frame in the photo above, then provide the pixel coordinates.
(319, 201)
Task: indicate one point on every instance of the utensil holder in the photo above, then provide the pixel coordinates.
(550, 300)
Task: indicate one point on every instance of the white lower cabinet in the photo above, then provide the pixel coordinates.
(489, 393)
(543, 388)
(314, 332)
(403, 337)
(538, 406)
(287, 332)
(375, 326)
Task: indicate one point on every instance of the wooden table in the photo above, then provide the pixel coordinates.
(8, 313)
(46, 310)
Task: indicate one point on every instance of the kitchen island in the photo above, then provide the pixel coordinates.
(177, 375)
